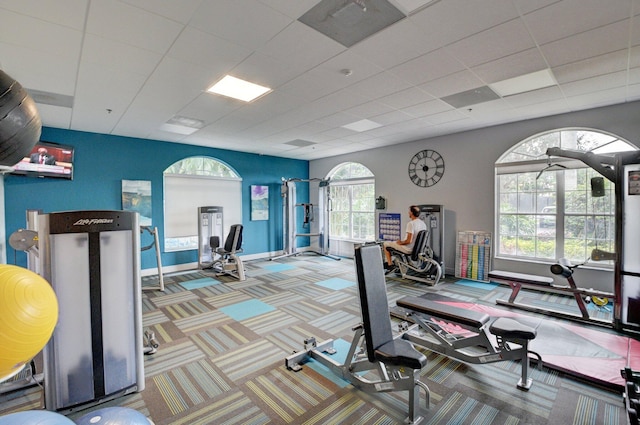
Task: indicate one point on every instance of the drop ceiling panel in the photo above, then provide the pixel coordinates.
(266, 70)
(180, 11)
(451, 84)
(599, 65)
(502, 40)
(208, 51)
(448, 21)
(41, 36)
(26, 66)
(511, 66)
(588, 44)
(422, 69)
(405, 98)
(602, 82)
(58, 116)
(379, 85)
(535, 97)
(118, 56)
(130, 25)
(67, 13)
(245, 22)
(551, 23)
(293, 9)
(287, 46)
(399, 43)
(150, 61)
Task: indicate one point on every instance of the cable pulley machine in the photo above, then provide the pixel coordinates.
(289, 213)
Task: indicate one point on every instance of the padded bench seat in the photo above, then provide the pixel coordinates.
(454, 314)
(503, 276)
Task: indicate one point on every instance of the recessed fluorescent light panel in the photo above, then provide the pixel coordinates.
(238, 89)
(362, 125)
(524, 83)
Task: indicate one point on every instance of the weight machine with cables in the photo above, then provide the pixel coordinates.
(289, 213)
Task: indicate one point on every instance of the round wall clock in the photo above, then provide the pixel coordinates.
(426, 168)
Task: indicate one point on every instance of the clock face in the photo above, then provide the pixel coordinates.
(426, 168)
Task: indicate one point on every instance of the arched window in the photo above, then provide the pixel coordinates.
(198, 182)
(351, 190)
(545, 207)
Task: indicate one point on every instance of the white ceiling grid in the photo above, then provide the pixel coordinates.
(132, 65)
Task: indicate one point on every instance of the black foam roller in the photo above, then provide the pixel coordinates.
(20, 125)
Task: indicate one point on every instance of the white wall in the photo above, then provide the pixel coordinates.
(467, 188)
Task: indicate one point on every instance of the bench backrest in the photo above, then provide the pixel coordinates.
(418, 246)
(372, 288)
(233, 242)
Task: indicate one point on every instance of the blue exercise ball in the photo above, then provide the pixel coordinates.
(114, 416)
(35, 417)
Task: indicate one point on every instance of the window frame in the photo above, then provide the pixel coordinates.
(211, 172)
(351, 183)
(559, 236)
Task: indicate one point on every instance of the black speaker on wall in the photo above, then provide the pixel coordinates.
(597, 187)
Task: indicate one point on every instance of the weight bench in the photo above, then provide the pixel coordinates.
(390, 363)
(419, 265)
(518, 281)
(226, 260)
(464, 334)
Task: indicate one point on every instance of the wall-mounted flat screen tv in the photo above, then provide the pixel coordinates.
(47, 160)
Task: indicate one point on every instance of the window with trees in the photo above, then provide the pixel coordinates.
(351, 190)
(545, 208)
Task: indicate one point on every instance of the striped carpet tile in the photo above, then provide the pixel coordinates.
(440, 368)
(311, 291)
(338, 297)
(537, 401)
(234, 408)
(200, 321)
(248, 359)
(213, 290)
(171, 356)
(221, 339)
(337, 322)
(162, 334)
(268, 322)
(24, 399)
(154, 317)
(348, 409)
(178, 297)
(260, 291)
(185, 387)
(306, 310)
(283, 298)
(227, 299)
(289, 284)
(186, 309)
(292, 339)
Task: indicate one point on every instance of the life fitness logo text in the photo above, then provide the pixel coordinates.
(91, 221)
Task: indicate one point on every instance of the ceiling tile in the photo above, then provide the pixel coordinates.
(245, 22)
(130, 25)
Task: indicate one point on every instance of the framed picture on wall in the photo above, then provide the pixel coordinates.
(136, 196)
(259, 202)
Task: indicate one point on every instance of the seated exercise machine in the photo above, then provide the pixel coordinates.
(419, 265)
(225, 260)
(465, 335)
(395, 363)
(563, 268)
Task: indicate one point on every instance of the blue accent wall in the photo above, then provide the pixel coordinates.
(102, 161)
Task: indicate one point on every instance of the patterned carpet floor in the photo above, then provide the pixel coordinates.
(223, 345)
